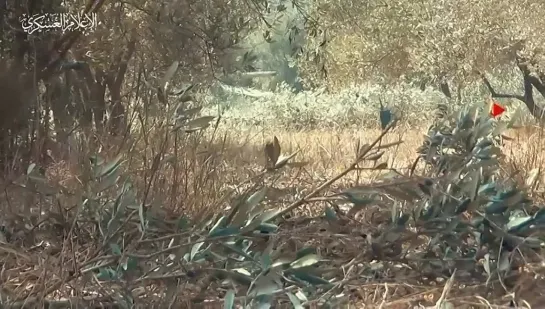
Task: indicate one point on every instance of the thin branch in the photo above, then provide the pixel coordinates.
(328, 183)
(499, 95)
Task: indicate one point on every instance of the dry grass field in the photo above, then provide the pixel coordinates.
(211, 171)
(328, 152)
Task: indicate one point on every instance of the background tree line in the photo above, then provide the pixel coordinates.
(75, 82)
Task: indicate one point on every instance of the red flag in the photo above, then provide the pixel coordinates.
(496, 109)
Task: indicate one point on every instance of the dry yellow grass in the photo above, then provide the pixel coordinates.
(240, 156)
(329, 151)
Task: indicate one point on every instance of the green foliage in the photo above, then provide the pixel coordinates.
(464, 207)
(460, 207)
